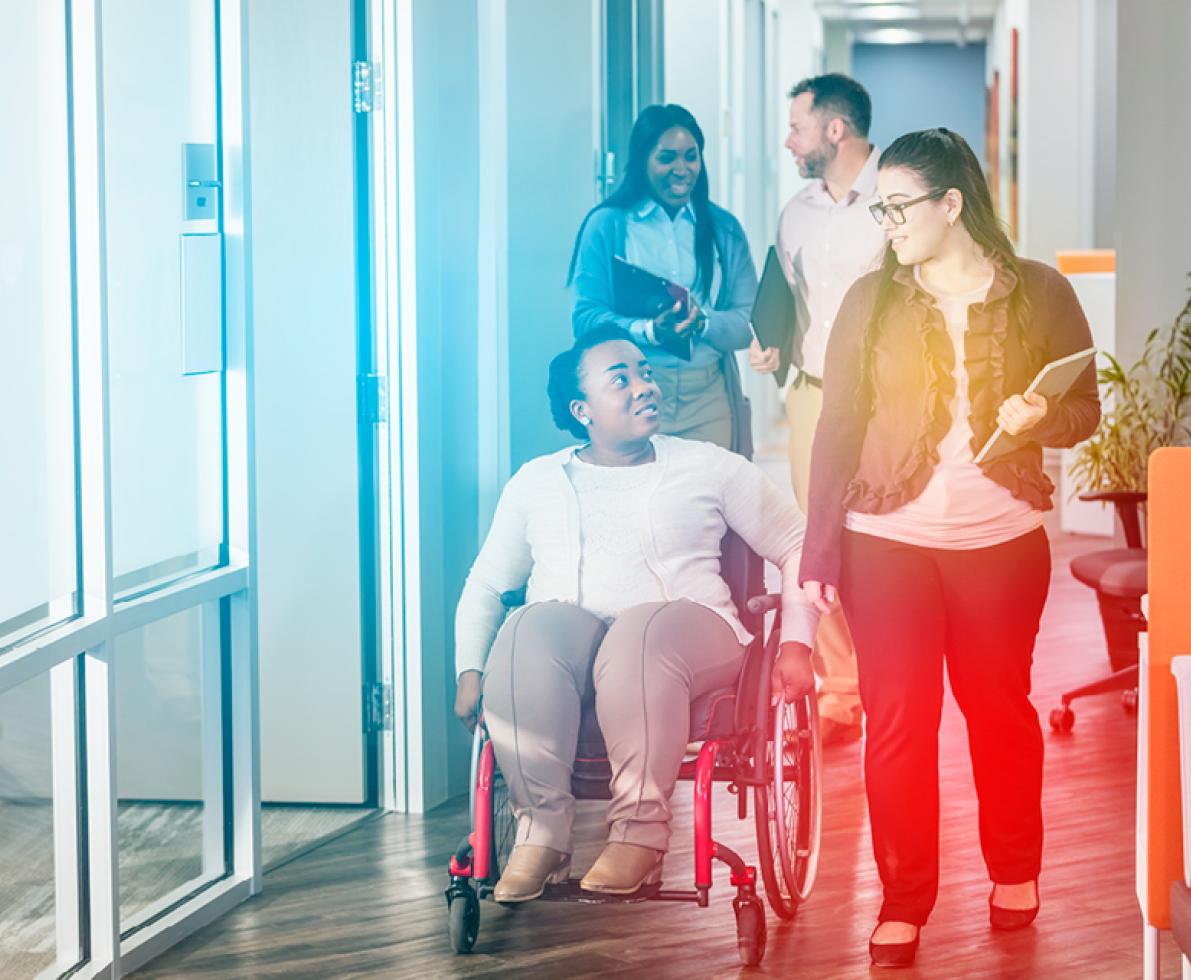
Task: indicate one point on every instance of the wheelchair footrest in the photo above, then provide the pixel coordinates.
(569, 891)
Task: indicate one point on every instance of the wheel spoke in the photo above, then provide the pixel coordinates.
(504, 824)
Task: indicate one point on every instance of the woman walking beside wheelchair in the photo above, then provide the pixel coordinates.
(617, 543)
(937, 559)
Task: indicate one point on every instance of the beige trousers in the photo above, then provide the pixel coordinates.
(549, 659)
(834, 655)
(695, 403)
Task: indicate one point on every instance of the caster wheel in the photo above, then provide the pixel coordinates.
(750, 933)
(1129, 700)
(463, 921)
(1062, 719)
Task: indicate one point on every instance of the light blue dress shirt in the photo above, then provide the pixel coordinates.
(666, 247)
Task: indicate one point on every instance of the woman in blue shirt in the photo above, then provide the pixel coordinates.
(660, 218)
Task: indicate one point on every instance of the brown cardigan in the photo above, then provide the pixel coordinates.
(877, 440)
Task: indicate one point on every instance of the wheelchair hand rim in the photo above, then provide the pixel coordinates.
(780, 714)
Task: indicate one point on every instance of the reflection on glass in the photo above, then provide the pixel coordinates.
(159, 93)
(27, 893)
(38, 563)
(169, 841)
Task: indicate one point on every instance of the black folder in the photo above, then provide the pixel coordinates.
(642, 296)
(773, 313)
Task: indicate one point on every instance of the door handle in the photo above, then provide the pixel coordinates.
(200, 182)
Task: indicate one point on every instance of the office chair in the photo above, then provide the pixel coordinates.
(1119, 577)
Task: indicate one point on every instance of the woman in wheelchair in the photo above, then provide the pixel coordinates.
(617, 544)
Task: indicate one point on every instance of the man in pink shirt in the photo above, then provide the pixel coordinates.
(826, 241)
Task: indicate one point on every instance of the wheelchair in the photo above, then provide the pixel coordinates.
(772, 752)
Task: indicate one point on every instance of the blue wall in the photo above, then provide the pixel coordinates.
(920, 86)
(551, 188)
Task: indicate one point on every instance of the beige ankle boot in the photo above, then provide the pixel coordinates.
(529, 869)
(623, 868)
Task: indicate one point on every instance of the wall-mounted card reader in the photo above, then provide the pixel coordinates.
(200, 179)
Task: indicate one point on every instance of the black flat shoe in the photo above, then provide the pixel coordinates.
(894, 954)
(1007, 920)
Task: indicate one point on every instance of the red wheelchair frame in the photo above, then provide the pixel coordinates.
(787, 811)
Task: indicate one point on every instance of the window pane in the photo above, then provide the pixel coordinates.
(159, 95)
(169, 763)
(27, 890)
(38, 552)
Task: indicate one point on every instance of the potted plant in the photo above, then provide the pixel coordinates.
(1146, 406)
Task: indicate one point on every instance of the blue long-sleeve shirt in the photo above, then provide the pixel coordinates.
(641, 236)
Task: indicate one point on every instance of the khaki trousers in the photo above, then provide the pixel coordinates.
(549, 659)
(695, 403)
(834, 655)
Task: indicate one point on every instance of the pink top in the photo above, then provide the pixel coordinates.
(960, 507)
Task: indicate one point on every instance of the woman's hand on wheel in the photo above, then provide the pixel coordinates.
(821, 595)
(793, 677)
(467, 698)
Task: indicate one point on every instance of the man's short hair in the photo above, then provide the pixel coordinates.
(840, 96)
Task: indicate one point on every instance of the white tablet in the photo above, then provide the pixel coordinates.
(1052, 382)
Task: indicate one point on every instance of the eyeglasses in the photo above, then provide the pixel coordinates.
(897, 212)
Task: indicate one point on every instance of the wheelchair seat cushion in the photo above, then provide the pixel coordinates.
(1090, 568)
(712, 716)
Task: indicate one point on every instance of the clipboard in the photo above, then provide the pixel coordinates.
(1053, 381)
(773, 313)
(642, 295)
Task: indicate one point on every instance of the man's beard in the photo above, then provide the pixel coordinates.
(814, 165)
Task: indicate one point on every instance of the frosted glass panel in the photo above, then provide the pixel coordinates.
(38, 559)
(167, 427)
(170, 822)
(27, 893)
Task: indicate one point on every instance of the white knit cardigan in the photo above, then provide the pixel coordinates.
(698, 491)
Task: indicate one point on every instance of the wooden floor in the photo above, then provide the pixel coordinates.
(370, 903)
(160, 848)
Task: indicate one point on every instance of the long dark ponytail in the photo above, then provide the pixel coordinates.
(653, 121)
(942, 160)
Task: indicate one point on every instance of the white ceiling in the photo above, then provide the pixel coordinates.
(907, 21)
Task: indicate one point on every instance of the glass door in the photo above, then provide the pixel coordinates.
(39, 570)
(633, 78)
(127, 760)
(164, 289)
(164, 299)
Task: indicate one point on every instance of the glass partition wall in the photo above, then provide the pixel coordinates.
(128, 784)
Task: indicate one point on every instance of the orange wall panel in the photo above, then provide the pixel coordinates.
(1086, 260)
(1160, 822)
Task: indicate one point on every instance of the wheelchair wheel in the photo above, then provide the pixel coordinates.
(751, 932)
(463, 920)
(504, 826)
(788, 806)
